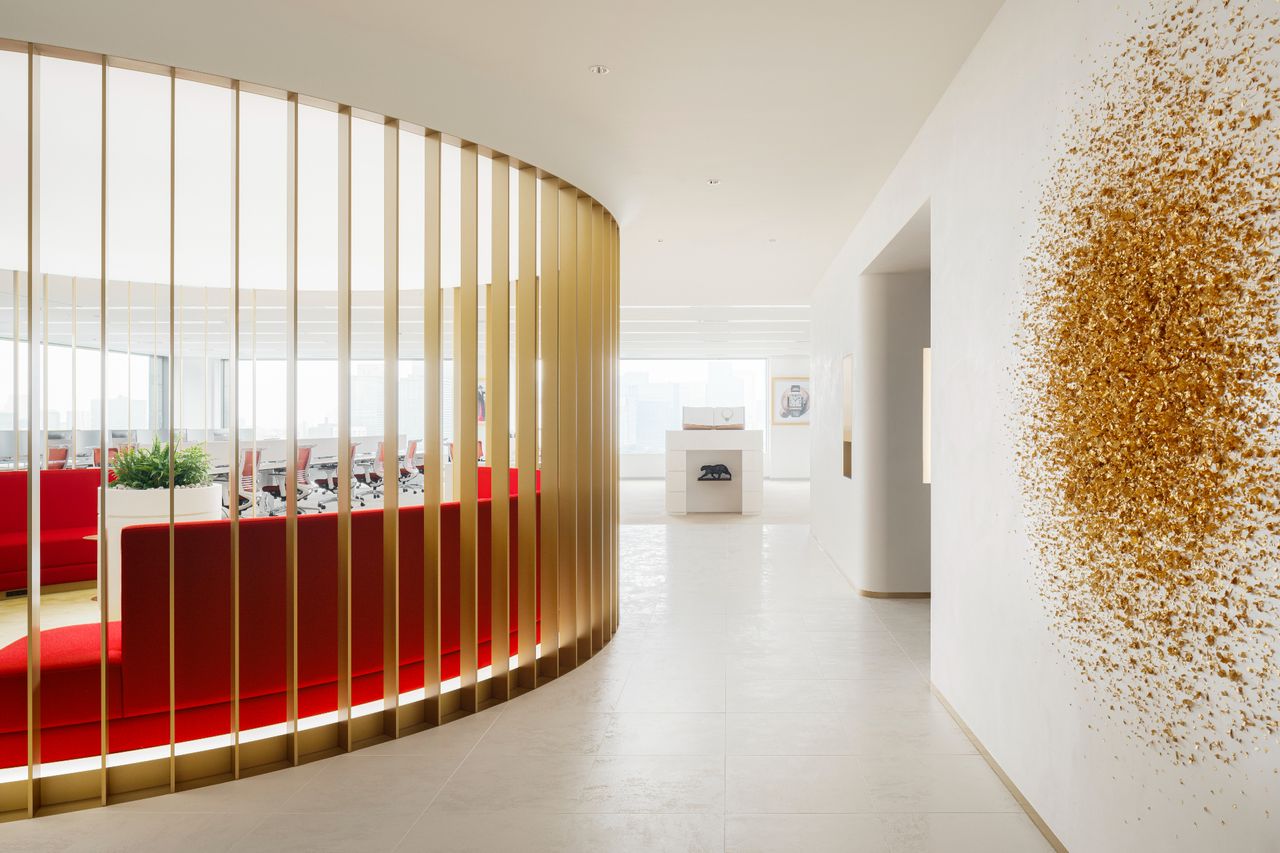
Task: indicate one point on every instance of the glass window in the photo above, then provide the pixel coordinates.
(653, 392)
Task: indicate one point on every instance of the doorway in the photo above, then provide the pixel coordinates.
(891, 434)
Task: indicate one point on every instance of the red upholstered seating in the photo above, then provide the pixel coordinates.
(138, 653)
(68, 513)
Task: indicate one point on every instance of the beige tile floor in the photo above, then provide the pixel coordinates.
(57, 609)
(750, 702)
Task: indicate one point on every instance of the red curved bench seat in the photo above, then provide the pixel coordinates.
(68, 513)
(138, 658)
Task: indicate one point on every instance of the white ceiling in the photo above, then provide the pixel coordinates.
(718, 331)
(799, 109)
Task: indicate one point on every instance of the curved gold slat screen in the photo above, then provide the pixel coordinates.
(386, 361)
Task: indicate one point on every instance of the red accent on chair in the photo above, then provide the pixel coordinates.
(139, 658)
(68, 513)
(57, 459)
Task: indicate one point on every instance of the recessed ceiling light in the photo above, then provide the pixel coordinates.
(659, 239)
(598, 70)
(773, 239)
(711, 182)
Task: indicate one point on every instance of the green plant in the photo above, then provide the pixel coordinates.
(148, 467)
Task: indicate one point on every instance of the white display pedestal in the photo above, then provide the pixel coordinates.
(741, 450)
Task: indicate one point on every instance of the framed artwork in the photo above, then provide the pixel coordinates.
(789, 399)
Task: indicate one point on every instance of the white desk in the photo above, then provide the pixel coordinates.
(741, 450)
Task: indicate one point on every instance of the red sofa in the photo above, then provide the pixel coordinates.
(68, 513)
(138, 683)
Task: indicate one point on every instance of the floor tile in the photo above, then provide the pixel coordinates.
(917, 833)
(794, 784)
(670, 784)
(664, 733)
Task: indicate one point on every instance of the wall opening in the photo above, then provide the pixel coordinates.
(891, 435)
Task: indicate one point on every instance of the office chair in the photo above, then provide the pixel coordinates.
(372, 478)
(412, 481)
(246, 496)
(112, 452)
(57, 458)
(302, 484)
(329, 487)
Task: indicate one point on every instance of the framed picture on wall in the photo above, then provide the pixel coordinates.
(790, 402)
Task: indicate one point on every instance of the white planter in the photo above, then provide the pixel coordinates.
(129, 507)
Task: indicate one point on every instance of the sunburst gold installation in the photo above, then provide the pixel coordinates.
(1150, 355)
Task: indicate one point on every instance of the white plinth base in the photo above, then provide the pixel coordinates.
(742, 451)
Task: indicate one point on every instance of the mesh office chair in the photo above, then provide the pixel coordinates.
(411, 479)
(57, 458)
(246, 496)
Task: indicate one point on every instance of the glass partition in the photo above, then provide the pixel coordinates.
(69, 155)
(317, 394)
(204, 288)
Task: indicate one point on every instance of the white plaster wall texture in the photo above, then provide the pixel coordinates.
(979, 161)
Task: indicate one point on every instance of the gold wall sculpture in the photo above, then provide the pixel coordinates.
(1150, 359)
(395, 270)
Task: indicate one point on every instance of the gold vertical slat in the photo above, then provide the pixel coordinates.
(35, 427)
(614, 474)
(431, 476)
(527, 430)
(617, 320)
(498, 451)
(609, 428)
(611, 413)
(104, 594)
(599, 304)
(290, 488)
(44, 357)
(233, 471)
(391, 429)
(464, 456)
(171, 376)
(548, 435)
(75, 373)
(586, 439)
(344, 429)
(17, 441)
(568, 493)
(603, 290)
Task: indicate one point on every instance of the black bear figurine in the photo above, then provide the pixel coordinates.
(716, 472)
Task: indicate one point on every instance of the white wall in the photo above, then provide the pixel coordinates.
(979, 161)
(891, 521)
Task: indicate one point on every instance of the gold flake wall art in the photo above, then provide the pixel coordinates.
(1149, 365)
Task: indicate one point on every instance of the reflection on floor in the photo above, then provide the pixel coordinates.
(751, 701)
(57, 609)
